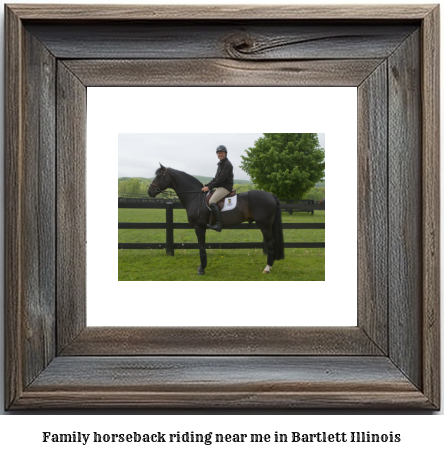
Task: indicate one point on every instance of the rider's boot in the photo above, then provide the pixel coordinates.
(218, 225)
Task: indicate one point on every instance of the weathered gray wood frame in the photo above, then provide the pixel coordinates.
(390, 360)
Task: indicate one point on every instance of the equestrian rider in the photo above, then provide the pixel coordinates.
(224, 183)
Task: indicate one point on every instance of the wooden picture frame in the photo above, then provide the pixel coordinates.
(390, 359)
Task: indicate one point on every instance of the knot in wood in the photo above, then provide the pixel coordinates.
(239, 46)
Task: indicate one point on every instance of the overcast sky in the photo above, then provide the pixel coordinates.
(194, 153)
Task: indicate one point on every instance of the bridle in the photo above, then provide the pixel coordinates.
(157, 186)
(158, 190)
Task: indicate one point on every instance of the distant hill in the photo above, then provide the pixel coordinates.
(135, 190)
(143, 180)
(203, 179)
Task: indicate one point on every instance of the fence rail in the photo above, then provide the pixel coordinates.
(170, 226)
(139, 203)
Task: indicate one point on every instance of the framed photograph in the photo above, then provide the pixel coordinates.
(389, 359)
(177, 145)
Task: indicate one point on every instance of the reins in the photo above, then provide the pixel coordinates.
(170, 194)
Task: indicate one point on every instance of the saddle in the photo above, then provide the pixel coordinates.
(225, 204)
(221, 203)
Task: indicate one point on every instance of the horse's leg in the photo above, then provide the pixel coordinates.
(200, 233)
(269, 241)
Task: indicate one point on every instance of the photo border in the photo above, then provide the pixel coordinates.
(390, 360)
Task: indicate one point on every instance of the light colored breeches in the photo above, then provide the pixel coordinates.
(218, 195)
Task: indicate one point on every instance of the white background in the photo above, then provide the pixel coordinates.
(123, 110)
(419, 434)
(22, 434)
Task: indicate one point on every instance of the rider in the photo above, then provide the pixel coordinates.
(224, 183)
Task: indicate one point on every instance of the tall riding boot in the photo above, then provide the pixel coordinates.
(216, 213)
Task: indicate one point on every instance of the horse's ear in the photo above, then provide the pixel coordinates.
(161, 166)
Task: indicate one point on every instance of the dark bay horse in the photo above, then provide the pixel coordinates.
(255, 205)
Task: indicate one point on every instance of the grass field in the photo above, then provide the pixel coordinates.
(230, 265)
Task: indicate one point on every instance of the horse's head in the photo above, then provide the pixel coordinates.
(160, 182)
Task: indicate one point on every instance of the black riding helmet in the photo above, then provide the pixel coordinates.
(222, 149)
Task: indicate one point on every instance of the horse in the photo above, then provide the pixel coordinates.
(255, 205)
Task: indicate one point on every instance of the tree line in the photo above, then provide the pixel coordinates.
(135, 188)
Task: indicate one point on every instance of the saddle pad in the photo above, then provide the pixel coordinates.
(230, 203)
(225, 204)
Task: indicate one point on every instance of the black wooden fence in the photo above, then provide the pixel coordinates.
(298, 206)
(170, 226)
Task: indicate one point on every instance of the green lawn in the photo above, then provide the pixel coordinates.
(233, 265)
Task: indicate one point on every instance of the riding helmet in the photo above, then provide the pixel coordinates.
(222, 149)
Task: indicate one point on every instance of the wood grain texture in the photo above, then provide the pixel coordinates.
(405, 209)
(219, 72)
(372, 207)
(430, 93)
(131, 341)
(219, 12)
(258, 40)
(234, 382)
(13, 210)
(89, 373)
(30, 226)
(347, 398)
(71, 206)
(39, 230)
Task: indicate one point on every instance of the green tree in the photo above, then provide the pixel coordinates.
(133, 187)
(241, 188)
(122, 187)
(286, 164)
(316, 194)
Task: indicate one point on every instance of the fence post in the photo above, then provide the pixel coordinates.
(169, 229)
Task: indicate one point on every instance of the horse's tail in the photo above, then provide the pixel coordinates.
(278, 233)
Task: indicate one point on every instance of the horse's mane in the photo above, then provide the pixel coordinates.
(192, 178)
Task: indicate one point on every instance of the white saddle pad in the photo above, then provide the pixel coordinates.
(230, 203)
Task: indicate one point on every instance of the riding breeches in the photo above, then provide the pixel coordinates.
(218, 195)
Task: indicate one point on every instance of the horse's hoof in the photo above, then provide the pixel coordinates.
(200, 271)
(265, 272)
